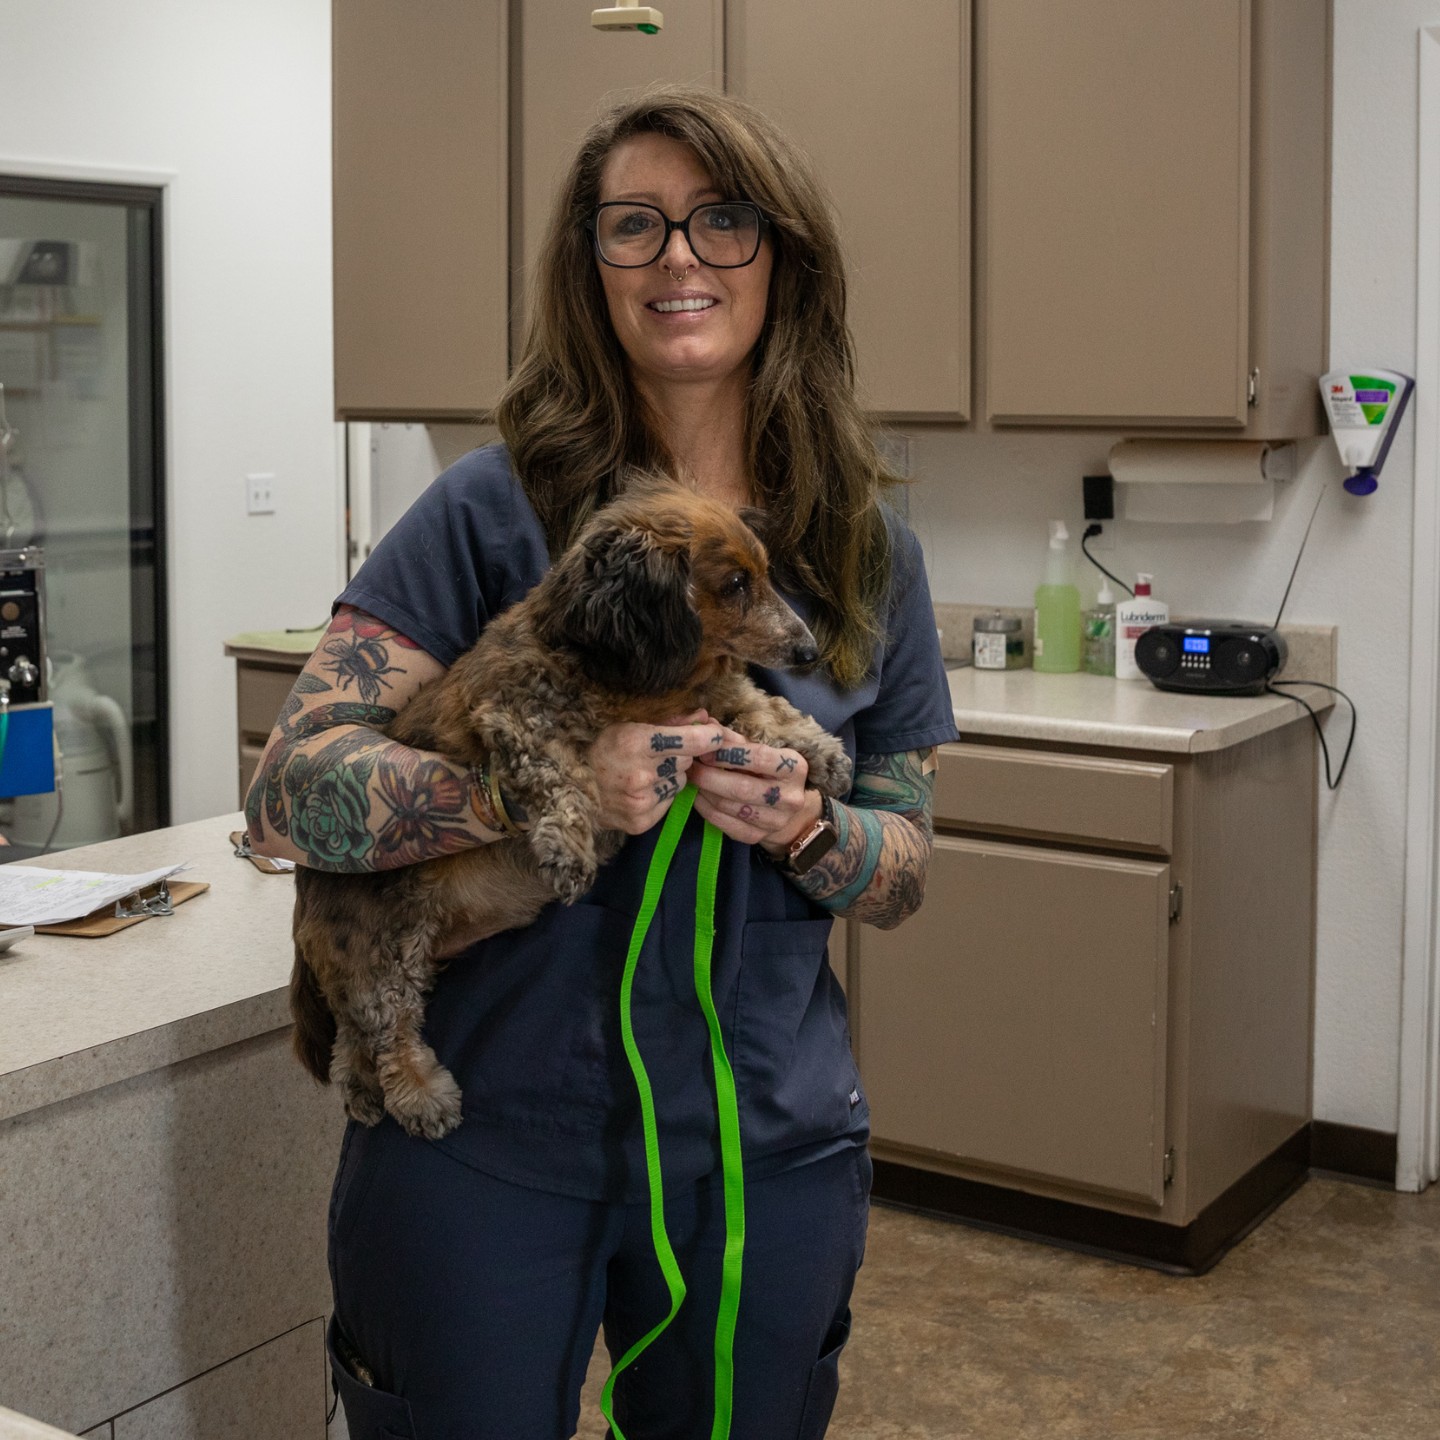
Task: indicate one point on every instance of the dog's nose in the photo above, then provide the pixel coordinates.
(804, 655)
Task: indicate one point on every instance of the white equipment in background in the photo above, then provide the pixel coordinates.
(628, 15)
(92, 736)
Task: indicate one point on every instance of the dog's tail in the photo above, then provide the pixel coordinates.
(314, 1037)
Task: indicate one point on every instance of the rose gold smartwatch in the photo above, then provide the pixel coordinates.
(819, 840)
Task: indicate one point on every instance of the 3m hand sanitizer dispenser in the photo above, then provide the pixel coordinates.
(1364, 410)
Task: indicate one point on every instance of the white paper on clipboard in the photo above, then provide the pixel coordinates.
(30, 895)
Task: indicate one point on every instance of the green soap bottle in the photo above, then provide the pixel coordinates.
(1057, 608)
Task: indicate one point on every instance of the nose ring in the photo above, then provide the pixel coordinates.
(677, 278)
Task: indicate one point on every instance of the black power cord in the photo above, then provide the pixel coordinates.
(1090, 532)
(1315, 720)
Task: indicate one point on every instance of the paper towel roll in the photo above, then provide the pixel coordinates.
(1199, 504)
(1188, 462)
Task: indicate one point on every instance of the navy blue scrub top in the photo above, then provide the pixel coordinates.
(528, 1021)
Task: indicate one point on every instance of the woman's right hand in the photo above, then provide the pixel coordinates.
(639, 769)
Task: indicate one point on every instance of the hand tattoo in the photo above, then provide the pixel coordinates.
(786, 765)
(772, 795)
(735, 755)
(666, 769)
(660, 742)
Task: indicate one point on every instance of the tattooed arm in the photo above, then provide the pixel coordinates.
(333, 793)
(876, 873)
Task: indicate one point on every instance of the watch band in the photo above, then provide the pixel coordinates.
(818, 841)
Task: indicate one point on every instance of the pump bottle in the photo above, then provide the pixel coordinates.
(1099, 657)
(1132, 619)
(1057, 608)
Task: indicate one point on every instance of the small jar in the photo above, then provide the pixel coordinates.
(999, 643)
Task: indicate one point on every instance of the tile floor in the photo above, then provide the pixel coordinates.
(1324, 1324)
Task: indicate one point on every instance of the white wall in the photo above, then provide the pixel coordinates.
(982, 503)
(231, 101)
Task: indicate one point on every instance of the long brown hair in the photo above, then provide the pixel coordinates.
(574, 424)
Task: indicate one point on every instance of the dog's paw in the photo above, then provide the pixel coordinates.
(830, 771)
(569, 876)
(429, 1110)
(362, 1104)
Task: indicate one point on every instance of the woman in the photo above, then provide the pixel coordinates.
(689, 315)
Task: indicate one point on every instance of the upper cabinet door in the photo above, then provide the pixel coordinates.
(882, 104)
(420, 170)
(1114, 182)
(567, 71)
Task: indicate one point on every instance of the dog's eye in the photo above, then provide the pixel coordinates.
(735, 585)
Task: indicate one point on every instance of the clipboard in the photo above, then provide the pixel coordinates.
(240, 839)
(106, 921)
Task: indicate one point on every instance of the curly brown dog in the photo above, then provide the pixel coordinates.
(654, 611)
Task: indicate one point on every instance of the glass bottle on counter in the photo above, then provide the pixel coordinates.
(999, 642)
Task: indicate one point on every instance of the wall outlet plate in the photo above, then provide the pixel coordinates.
(260, 494)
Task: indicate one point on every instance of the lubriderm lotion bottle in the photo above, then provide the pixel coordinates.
(1132, 619)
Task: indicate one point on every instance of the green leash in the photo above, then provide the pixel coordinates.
(727, 1108)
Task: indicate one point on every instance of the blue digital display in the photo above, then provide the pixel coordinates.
(1196, 644)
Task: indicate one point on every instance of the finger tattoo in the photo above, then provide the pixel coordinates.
(666, 768)
(717, 739)
(747, 812)
(735, 755)
(772, 795)
(786, 765)
(666, 788)
(660, 742)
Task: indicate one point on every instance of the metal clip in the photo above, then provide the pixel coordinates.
(242, 846)
(138, 906)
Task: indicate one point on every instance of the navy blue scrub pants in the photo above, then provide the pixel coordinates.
(475, 1304)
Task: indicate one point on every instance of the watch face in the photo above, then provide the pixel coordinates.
(819, 844)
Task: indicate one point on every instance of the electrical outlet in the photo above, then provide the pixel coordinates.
(259, 494)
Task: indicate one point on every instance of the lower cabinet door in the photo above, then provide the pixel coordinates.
(1017, 1022)
(277, 1390)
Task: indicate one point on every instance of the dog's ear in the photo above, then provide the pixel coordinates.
(621, 604)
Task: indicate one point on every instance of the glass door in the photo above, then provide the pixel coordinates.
(80, 482)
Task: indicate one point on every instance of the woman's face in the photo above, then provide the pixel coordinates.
(713, 342)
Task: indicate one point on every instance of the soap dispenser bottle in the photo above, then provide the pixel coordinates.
(1132, 619)
(1099, 633)
(1057, 608)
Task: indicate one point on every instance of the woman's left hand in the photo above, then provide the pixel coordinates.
(755, 793)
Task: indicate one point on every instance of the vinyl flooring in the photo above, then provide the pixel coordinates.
(1323, 1324)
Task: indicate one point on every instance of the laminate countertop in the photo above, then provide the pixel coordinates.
(1095, 710)
(78, 1014)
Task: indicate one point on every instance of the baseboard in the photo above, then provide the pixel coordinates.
(1192, 1249)
(1353, 1152)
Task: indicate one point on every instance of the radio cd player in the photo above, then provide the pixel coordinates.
(1212, 657)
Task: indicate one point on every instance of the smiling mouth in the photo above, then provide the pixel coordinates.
(669, 307)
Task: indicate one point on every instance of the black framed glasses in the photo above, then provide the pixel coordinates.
(725, 235)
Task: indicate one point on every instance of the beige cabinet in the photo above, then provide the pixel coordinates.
(1050, 1032)
(1106, 997)
(882, 105)
(1152, 177)
(421, 168)
(566, 73)
(1148, 210)
(265, 673)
